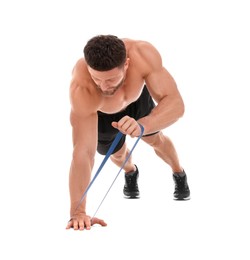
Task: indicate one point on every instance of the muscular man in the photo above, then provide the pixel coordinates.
(118, 84)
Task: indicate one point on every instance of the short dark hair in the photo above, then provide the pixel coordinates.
(105, 52)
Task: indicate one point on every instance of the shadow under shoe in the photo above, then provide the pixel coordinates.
(182, 191)
(131, 189)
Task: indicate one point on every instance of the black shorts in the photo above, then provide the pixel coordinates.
(106, 132)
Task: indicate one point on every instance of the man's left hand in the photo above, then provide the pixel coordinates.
(128, 126)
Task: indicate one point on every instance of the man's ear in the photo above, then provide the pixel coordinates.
(126, 64)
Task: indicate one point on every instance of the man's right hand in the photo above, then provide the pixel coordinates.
(84, 222)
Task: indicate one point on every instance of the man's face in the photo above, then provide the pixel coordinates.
(108, 82)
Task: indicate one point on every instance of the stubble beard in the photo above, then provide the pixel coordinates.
(112, 90)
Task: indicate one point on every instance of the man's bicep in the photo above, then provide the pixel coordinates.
(84, 131)
(83, 118)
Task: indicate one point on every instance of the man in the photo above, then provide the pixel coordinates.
(112, 89)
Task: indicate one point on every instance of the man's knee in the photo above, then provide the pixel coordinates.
(120, 153)
(154, 140)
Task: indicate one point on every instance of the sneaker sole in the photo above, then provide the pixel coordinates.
(187, 198)
(131, 197)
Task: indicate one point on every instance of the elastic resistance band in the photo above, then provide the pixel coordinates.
(125, 161)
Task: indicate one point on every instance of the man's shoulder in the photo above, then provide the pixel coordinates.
(79, 66)
(80, 74)
(141, 51)
(137, 45)
(83, 94)
(143, 55)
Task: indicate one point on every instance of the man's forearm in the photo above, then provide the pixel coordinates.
(163, 115)
(79, 178)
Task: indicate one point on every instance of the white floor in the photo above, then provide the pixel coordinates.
(205, 45)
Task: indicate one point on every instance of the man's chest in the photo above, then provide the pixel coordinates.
(127, 94)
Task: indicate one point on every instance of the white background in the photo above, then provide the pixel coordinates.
(205, 46)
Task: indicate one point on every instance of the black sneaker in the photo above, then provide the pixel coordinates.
(182, 191)
(130, 189)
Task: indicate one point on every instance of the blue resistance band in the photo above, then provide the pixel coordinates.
(110, 151)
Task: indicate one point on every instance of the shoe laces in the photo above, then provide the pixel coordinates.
(180, 183)
(131, 181)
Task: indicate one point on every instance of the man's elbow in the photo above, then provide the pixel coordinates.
(181, 108)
